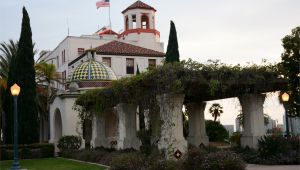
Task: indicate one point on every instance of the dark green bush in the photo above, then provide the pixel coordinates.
(235, 139)
(194, 158)
(273, 150)
(215, 131)
(222, 160)
(69, 143)
(32, 151)
(166, 165)
(273, 145)
(129, 161)
(145, 137)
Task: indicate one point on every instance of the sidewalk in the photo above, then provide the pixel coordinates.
(272, 167)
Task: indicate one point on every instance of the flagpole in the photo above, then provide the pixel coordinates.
(109, 17)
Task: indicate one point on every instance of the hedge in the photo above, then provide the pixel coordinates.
(32, 151)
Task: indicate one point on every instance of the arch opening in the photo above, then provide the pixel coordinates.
(58, 125)
(145, 21)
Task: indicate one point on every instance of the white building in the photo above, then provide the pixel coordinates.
(294, 125)
(139, 43)
(271, 124)
(229, 128)
(93, 61)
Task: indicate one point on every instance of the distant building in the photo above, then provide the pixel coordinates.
(229, 128)
(271, 124)
(94, 61)
(294, 125)
(238, 126)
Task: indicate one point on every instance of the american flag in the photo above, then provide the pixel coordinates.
(102, 3)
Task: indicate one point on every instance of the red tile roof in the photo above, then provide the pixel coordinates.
(124, 49)
(139, 5)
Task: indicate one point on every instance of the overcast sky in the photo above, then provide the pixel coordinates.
(234, 31)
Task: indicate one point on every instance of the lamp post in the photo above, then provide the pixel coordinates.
(285, 98)
(15, 90)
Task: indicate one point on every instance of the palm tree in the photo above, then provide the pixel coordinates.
(8, 53)
(45, 75)
(216, 110)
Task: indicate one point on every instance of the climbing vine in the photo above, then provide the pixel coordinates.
(199, 82)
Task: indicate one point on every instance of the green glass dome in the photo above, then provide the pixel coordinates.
(91, 71)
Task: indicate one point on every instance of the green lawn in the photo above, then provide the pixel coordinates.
(51, 164)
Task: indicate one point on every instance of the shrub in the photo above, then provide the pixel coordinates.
(215, 131)
(235, 139)
(273, 145)
(128, 162)
(194, 158)
(145, 137)
(27, 151)
(222, 160)
(69, 143)
(166, 165)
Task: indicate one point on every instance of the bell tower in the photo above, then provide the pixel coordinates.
(139, 26)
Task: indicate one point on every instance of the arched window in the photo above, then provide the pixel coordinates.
(126, 23)
(145, 22)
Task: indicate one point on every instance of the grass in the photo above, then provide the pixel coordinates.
(51, 164)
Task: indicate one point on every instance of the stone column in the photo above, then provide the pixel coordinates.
(129, 21)
(197, 132)
(138, 20)
(252, 107)
(127, 126)
(98, 134)
(171, 138)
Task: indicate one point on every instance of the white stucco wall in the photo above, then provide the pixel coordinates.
(70, 121)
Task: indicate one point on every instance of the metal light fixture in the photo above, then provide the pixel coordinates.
(285, 98)
(15, 91)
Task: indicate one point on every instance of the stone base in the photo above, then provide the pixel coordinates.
(250, 141)
(198, 140)
(170, 147)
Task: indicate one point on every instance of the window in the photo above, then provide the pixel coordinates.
(57, 61)
(145, 22)
(129, 66)
(151, 63)
(133, 21)
(107, 61)
(63, 54)
(80, 51)
(64, 76)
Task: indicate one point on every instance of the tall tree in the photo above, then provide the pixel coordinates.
(291, 69)
(172, 54)
(216, 110)
(25, 78)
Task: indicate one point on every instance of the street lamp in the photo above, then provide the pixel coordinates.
(285, 98)
(15, 90)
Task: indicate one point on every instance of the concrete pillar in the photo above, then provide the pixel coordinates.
(98, 133)
(252, 107)
(127, 126)
(138, 20)
(171, 138)
(197, 132)
(151, 21)
(129, 21)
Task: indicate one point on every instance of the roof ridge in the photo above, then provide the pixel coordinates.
(122, 48)
(139, 5)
